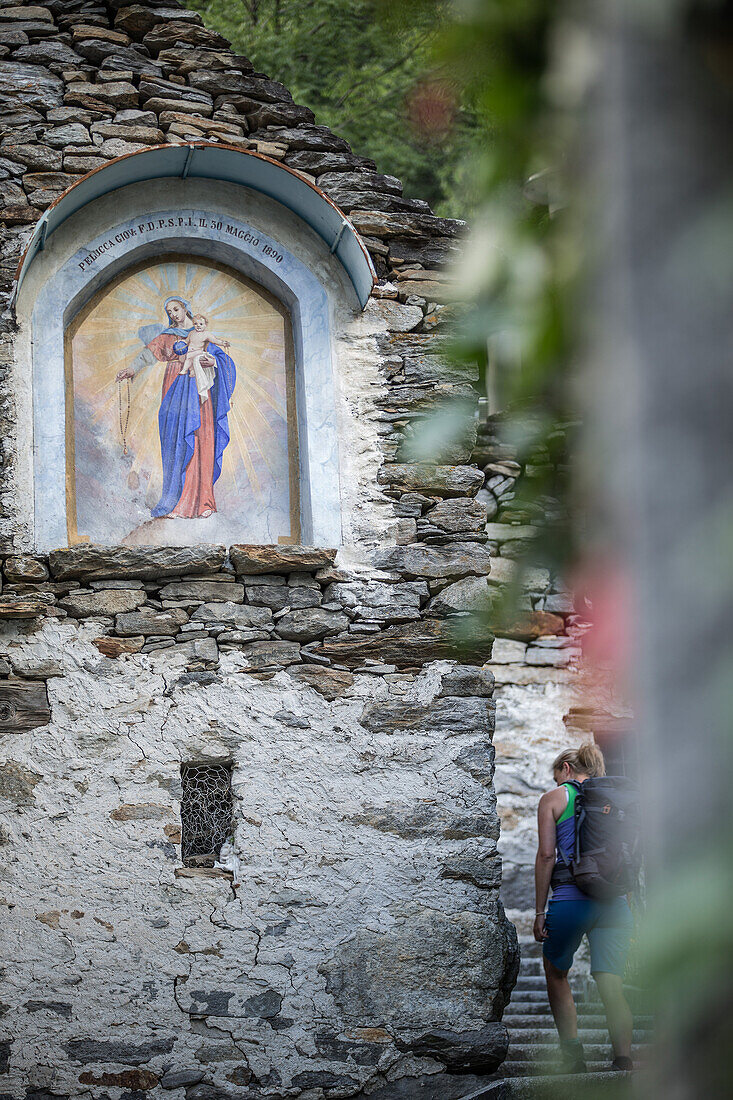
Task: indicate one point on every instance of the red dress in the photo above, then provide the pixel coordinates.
(197, 498)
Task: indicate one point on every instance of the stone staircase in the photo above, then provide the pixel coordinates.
(533, 1043)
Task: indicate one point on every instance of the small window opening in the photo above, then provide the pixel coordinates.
(206, 812)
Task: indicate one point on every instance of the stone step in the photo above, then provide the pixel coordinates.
(529, 996)
(533, 1009)
(529, 947)
(587, 1035)
(532, 1016)
(550, 1069)
(531, 993)
(534, 969)
(521, 1022)
(548, 1052)
(538, 997)
(537, 982)
(528, 1008)
(520, 1027)
(533, 988)
(532, 965)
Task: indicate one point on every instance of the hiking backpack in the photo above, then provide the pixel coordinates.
(607, 858)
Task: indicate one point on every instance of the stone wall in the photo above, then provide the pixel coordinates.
(354, 937)
(547, 697)
(352, 942)
(535, 662)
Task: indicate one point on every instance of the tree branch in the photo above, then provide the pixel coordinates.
(372, 78)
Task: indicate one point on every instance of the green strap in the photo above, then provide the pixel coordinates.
(569, 810)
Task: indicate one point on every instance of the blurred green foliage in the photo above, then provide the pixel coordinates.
(521, 259)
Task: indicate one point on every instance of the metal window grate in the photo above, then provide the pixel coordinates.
(206, 812)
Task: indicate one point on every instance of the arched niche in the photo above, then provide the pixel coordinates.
(201, 448)
(60, 287)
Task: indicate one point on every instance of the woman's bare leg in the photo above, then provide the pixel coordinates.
(561, 1001)
(618, 1014)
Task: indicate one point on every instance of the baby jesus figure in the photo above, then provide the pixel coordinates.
(198, 362)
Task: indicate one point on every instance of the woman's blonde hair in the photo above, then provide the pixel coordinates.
(586, 760)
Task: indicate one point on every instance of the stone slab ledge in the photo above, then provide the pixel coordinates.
(277, 606)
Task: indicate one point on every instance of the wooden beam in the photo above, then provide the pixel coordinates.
(23, 706)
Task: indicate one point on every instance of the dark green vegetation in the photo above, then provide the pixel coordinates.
(366, 72)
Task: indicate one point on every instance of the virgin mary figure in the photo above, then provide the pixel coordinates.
(193, 432)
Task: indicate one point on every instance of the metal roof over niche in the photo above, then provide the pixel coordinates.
(204, 160)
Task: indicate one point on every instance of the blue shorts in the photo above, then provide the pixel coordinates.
(607, 924)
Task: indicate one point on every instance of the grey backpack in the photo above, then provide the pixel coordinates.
(607, 858)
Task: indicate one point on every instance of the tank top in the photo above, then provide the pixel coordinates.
(565, 839)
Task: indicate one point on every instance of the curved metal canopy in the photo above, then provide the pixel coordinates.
(204, 160)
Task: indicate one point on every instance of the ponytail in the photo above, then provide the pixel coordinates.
(585, 760)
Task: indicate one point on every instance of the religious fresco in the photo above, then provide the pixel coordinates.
(180, 411)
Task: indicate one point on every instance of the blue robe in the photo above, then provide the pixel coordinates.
(180, 418)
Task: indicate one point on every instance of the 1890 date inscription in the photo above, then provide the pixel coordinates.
(153, 225)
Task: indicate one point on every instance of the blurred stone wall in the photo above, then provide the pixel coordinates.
(546, 700)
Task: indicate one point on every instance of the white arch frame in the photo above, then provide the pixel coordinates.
(228, 164)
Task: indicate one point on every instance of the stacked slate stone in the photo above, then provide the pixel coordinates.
(280, 606)
(547, 631)
(83, 83)
(273, 608)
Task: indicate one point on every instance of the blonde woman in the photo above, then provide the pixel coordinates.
(571, 914)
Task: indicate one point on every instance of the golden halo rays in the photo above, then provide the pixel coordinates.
(110, 338)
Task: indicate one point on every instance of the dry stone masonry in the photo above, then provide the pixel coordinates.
(350, 940)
